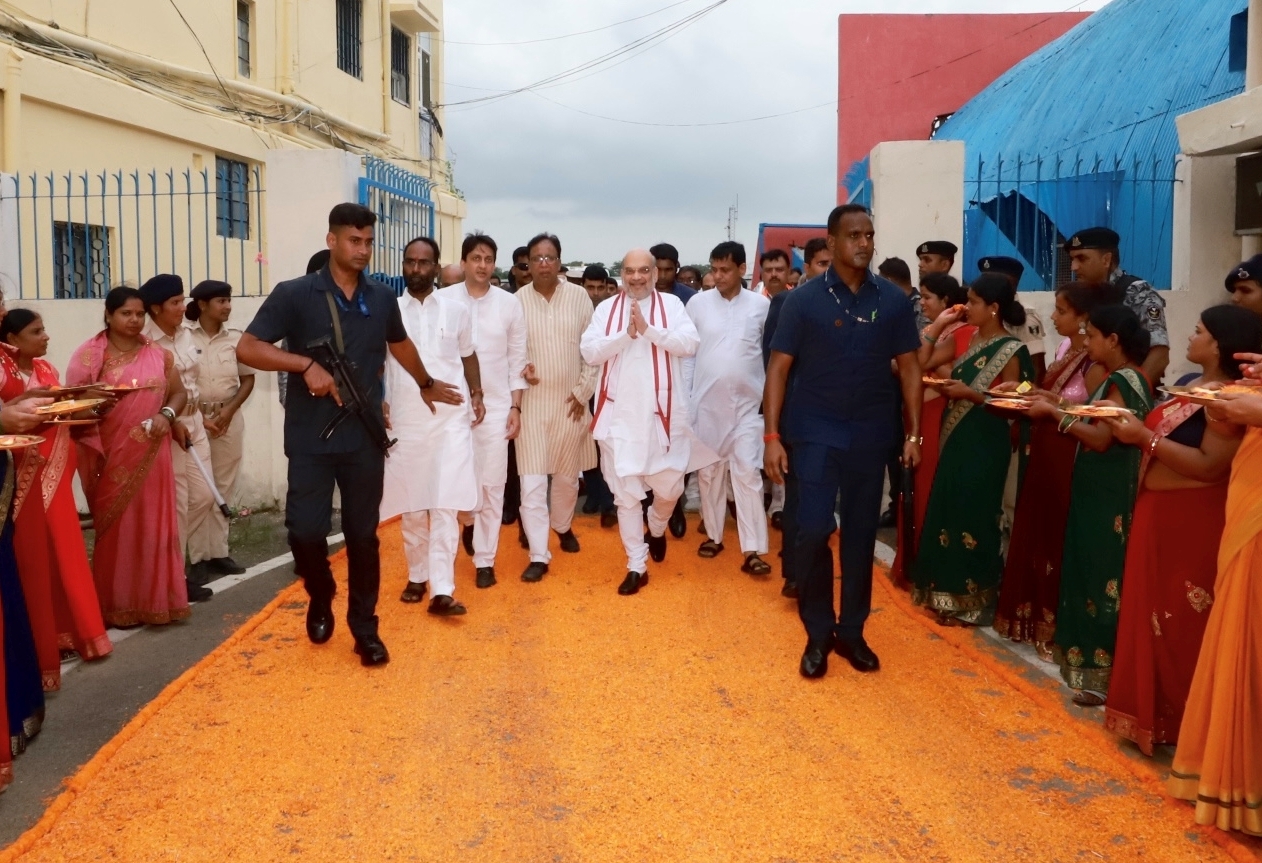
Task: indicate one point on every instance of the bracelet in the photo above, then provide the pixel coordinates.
(1152, 444)
(928, 340)
(768, 438)
(917, 440)
(1065, 422)
(514, 408)
(473, 393)
(309, 365)
(168, 413)
(428, 383)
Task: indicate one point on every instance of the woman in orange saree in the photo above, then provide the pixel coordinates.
(1218, 763)
(125, 466)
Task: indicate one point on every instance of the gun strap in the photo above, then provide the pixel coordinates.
(337, 323)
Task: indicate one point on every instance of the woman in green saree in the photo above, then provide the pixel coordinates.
(957, 568)
(1105, 480)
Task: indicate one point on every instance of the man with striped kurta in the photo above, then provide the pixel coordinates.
(555, 439)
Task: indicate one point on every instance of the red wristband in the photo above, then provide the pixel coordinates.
(768, 438)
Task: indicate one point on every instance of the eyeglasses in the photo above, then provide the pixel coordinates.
(638, 271)
(544, 259)
(522, 266)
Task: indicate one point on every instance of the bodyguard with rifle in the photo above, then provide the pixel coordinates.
(334, 429)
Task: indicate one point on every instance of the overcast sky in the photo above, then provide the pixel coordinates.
(532, 162)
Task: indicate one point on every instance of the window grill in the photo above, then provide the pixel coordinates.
(427, 99)
(243, 38)
(232, 201)
(400, 66)
(350, 39)
(81, 261)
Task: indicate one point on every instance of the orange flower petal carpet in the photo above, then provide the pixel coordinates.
(559, 721)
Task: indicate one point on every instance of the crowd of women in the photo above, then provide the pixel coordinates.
(56, 603)
(1133, 556)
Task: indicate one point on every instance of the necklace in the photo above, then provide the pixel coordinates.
(116, 349)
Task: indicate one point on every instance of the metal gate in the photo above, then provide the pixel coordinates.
(405, 211)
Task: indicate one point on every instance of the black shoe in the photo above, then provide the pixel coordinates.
(371, 651)
(790, 589)
(857, 652)
(466, 537)
(199, 573)
(887, 518)
(509, 516)
(678, 523)
(535, 572)
(590, 507)
(225, 566)
(319, 621)
(569, 542)
(633, 582)
(197, 593)
(521, 537)
(657, 547)
(486, 576)
(445, 606)
(815, 660)
(777, 520)
(609, 518)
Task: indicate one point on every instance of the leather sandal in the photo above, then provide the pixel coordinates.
(709, 549)
(755, 565)
(414, 592)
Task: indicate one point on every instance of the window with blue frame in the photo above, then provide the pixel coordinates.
(232, 199)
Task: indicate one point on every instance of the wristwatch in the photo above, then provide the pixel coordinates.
(168, 413)
(911, 438)
(429, 382)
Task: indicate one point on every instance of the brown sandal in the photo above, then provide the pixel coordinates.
(709, 549)
(755, 565)
(414, 592)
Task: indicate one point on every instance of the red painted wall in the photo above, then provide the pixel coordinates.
(896, 73)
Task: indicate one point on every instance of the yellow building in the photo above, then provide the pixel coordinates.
(210, 137)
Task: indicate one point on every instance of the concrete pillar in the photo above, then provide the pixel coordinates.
(11, 135)
(917, 195)
(10, 284)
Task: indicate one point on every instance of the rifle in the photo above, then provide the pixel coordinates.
(353, 400)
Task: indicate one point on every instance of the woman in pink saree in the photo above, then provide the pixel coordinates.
(125, 467)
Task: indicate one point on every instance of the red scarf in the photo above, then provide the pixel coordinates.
(620, 309)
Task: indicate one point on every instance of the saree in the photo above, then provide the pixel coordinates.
(1102, 498)
(930, 425)
(23, 688)
(1218, 763)
(958, 565)
(52, 557)
(127, 478)
(1031, 575)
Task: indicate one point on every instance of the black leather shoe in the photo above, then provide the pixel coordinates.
(678, 523)
(790, 589)
(777, 520)
(657, 547)
(535, 572)
(198, 593)
(466, 537)
(446, 606)
(225, 566)
(857, 652)
(371, 651)
(590, 507)
(814, 660)
(569, 542)
(486, 576)
(521, 537)
(609, 518)
(509, 516)
(199, 573)
(633, 582)
(319, 622)
(887, 518)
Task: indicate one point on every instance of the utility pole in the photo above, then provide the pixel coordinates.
(732, 214)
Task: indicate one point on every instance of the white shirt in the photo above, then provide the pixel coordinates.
(636, 395)
(499, 338)
(1030, 333)
(728, 375)
(184, 350)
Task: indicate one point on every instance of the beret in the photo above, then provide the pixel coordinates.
(1093, 238)
(1245, 271)
(938, 247)
(1002, 264)
(210, 289)
(161, 288)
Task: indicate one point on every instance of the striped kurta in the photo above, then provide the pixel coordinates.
(551, 442)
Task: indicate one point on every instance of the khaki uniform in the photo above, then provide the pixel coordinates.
(193, 499)
(218, 379)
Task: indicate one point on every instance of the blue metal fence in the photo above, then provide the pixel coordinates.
(78, 234)
(1027, 208)
(405, 210)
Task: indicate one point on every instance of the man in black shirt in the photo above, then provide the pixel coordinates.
(301, 311)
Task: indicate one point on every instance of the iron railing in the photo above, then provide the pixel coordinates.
(1027, 208)
(405, 210)
(78, 234)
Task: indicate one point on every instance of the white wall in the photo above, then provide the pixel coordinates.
(302, 186)
(917, 195)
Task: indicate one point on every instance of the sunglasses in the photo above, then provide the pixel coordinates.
(522, 266)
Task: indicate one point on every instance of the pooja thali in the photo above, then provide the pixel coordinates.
(1007, 403)
(1205, 395)
(1098, 411)
(68, 407)
(19, 441)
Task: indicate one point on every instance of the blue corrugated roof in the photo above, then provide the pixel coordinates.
(1101, 101)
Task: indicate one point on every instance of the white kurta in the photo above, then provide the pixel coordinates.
(432, 465)
(728, 374)
(636, 395)
(499, 338)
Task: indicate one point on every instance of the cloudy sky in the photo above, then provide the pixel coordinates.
(535, 161)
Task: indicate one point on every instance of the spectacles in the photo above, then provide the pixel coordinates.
(638, 271)
(545, 259)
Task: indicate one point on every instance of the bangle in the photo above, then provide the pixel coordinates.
(309, 365)
(1065, 422)
(768, 438)
(429, 382)
(1152, 444)
(514, 408)
(168, 413)
(916, 439)
(475, 393)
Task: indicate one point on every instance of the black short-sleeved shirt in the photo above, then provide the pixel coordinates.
(842, 394)
(298, 312)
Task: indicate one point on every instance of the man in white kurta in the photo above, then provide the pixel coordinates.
(727, 384)
(640, 338)
(430, 475)
(499, 340)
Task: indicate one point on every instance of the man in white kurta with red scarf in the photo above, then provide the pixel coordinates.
(640, 339)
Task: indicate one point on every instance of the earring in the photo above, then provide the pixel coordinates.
(1082, 328)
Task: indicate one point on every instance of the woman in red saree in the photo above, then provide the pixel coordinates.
(1030, 589)
(942, 342)
(1171, 556)
(52, 559)
(125, 467)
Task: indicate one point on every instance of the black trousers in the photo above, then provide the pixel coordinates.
(512, 487)
(309, 516)
(823, 472)
(598, 493)
(789, 522)
(894, 464)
